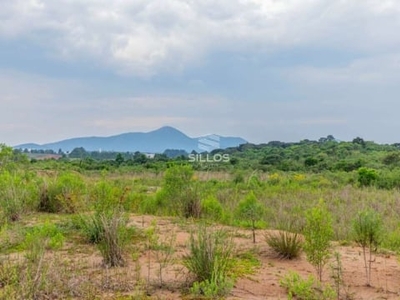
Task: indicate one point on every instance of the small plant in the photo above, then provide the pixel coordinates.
(337, 275)
(306, 289)
(210, 260)
(163, 250)
(41, 238)
(318, 232)
(252, 211)
(286, 244)
(367, 227)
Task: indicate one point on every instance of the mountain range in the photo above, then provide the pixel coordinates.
(156, 141)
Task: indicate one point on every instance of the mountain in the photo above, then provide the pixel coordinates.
(156, 141)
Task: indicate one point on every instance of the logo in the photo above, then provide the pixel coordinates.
(215, 158)
(209, 143)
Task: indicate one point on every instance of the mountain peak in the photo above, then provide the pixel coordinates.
(156, 141)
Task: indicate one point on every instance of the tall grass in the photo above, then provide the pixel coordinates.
(210, 259)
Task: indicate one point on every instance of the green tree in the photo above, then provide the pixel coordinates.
(367, 227)
(251, 210)
(367, 176)
(318, 232)
(119, 159)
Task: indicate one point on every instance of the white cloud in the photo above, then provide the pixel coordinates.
(153, 36)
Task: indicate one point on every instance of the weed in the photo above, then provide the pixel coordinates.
(306, 289)
(210, 260)
(286, 244)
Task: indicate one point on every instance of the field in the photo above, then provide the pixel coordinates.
(182, 233)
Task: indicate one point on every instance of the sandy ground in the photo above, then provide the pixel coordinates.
(264, 284)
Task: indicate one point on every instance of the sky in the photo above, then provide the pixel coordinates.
(263, 70)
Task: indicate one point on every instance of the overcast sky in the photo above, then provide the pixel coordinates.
(260, 69)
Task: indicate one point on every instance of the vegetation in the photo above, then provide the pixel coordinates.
(82, 206)
(318, 232)
(306, 289)
(286, 244)
(367, 227)
(211, 260)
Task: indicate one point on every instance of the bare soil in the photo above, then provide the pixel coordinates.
(264, 284)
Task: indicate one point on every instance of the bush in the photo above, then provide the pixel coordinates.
(41, 238)
(17, 195)
(181, 192)
(65, 194)
(252, 211)
(210, 260)
(306, 289)
(212, 209)
(286, 244)
(318, 232)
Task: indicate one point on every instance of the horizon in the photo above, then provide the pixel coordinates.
(263, 70)
(192, 137)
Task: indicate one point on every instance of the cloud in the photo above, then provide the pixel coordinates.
(149, 37)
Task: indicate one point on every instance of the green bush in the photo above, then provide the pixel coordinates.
(250, 210)
(40, 238)
(212, 209)
(64, 194)
(17, 195)
(306, 289)
(318, 233)
(367, 176)
(180, 191)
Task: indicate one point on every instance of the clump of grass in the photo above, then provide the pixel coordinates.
(113, 238)
(287, 245)
(210, 260)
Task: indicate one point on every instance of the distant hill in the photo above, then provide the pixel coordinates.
(156, 141)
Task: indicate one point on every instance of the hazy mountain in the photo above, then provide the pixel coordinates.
(156, 141)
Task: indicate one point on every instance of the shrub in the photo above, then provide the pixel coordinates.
(17, 195)
(286, 244)
(250, 210)
(306, 289)
(366, 176)
(210, 260)
(40, 238)
(318, 232)
(65, 194)
(367, 227)
(212, 209)
(181, 192)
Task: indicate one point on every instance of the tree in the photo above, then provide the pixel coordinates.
(367, 227)
(318, 232)
(119, 159)
(251, 210)
(367, 176)
(359, 141)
